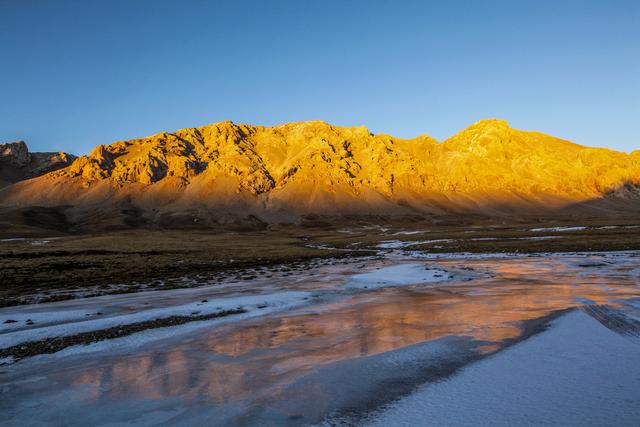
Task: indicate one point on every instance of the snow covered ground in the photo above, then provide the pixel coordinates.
(577, 373)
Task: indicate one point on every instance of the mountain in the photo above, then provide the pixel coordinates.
(219, 172)
(17, 163)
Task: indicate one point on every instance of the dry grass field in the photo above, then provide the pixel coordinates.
(49, 266)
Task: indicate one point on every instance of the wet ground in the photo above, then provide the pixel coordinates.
(456, 340)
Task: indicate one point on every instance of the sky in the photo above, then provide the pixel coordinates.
(75, 74)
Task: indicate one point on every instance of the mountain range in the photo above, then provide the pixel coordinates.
(224, 172)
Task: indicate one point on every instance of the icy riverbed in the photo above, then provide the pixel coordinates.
(365, 342)
(23, 324)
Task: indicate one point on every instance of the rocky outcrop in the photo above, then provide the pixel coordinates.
(14, 154)
(17, 163)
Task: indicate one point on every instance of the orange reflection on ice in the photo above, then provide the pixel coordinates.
(267, 353)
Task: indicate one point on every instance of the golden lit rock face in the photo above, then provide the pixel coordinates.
(313, 166)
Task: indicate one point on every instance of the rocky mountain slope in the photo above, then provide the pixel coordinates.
(17, 163)
(223, 170)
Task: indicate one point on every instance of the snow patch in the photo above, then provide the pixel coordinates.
(18, 319)
(398, 244)
(539, 238)
(579, 228)
(409, 233)
(397, 275)
(6, 360)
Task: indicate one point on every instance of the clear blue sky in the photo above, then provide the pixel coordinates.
(75, 74)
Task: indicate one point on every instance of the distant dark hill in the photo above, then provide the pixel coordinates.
(18, 164)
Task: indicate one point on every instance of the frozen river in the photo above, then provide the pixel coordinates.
(403, 340)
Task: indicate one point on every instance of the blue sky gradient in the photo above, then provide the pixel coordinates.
(76, 74)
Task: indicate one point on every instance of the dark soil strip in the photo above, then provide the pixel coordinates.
(26, 279)
(52, 345)
(61, 253)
